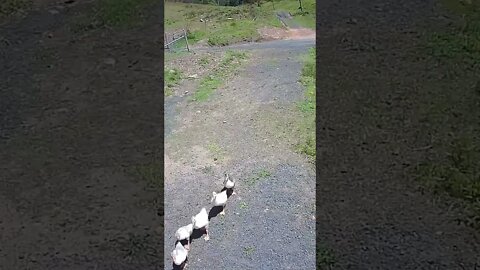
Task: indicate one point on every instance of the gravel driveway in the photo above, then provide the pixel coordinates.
(270, 224)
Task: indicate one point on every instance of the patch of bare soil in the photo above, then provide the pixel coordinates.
(274, 33)
(193, 67)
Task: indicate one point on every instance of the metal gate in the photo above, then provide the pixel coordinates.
(176, 41)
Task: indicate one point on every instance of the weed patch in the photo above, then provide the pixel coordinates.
(231, 61)
(257, 177)
(243, 206)
(172, 77)
(216, 151)
(248, 251)
(171, 55)
(207, 87)
(195, 36)
(204, 61)
(308, 106)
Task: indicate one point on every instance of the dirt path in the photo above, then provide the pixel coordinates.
(374, 78)
(78, 130)
(270, 223)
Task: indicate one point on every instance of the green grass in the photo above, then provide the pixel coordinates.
(171, 55)
(231, 61)
(204, 61)
(195, 36)
(234, 32)
(9, 7)
(257, 177)
(227, 25)
(216, 151)
(450, 111)
(243, 206)
(307, 79)
(178, 46)
(248, 251)
(207, 86)
(263, 174)
(305, 18)
(308, 106)
(171, 78)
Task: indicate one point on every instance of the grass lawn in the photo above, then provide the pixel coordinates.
(227, 25)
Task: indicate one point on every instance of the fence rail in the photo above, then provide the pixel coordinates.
(172, 38)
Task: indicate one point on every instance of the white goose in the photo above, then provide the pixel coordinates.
(200, 221)
(179, 254)
(229, 183)
(184, 233)
(220, 199)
